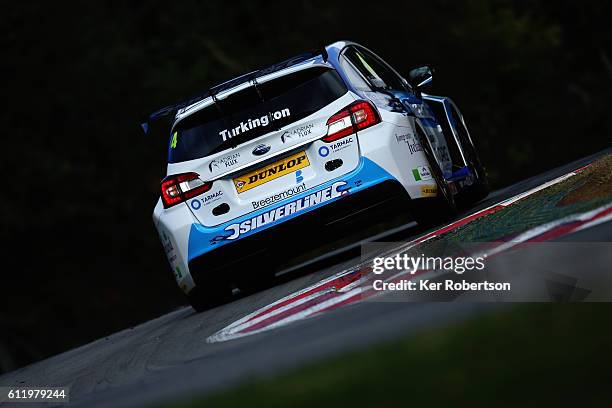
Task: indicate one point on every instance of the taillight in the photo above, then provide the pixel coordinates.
(357, 116)
(181, 187)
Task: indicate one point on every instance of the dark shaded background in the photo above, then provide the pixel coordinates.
(82, 259)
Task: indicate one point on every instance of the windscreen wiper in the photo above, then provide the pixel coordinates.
(256, 86)
(226, 120)
(263, 101)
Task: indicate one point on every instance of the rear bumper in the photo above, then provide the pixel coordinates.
(268, 250)
(367, 175)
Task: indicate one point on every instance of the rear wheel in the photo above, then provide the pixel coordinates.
(203, 298)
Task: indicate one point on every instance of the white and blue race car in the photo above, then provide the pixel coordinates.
(262, 165)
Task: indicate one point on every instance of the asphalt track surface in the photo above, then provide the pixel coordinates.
(168, 358)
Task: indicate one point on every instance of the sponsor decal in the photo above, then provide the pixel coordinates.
(335, 147)
(227, 161)
(212, 197)
(297, 133)
(413, 144)
(342, 144)
(422, 173)
(298, 176)
(197, 203)
(278, 197)
(251, 124)
(286, 210)
(429, 191)
(406, 137)
(261, 149)
(271, 172)
(414, 147)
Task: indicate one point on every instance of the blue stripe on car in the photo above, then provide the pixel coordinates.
(203, 239)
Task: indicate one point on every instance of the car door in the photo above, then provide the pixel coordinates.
(379, 82)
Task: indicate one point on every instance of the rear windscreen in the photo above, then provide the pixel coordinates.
(254, 111)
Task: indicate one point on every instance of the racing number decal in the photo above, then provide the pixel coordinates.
(174, 140)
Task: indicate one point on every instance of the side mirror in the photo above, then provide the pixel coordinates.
(420, 77)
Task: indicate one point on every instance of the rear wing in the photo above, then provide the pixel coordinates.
(173, 109)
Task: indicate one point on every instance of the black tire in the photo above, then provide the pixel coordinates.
(204, 299)
(433, 211)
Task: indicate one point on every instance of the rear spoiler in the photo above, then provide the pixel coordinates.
(173, 109)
